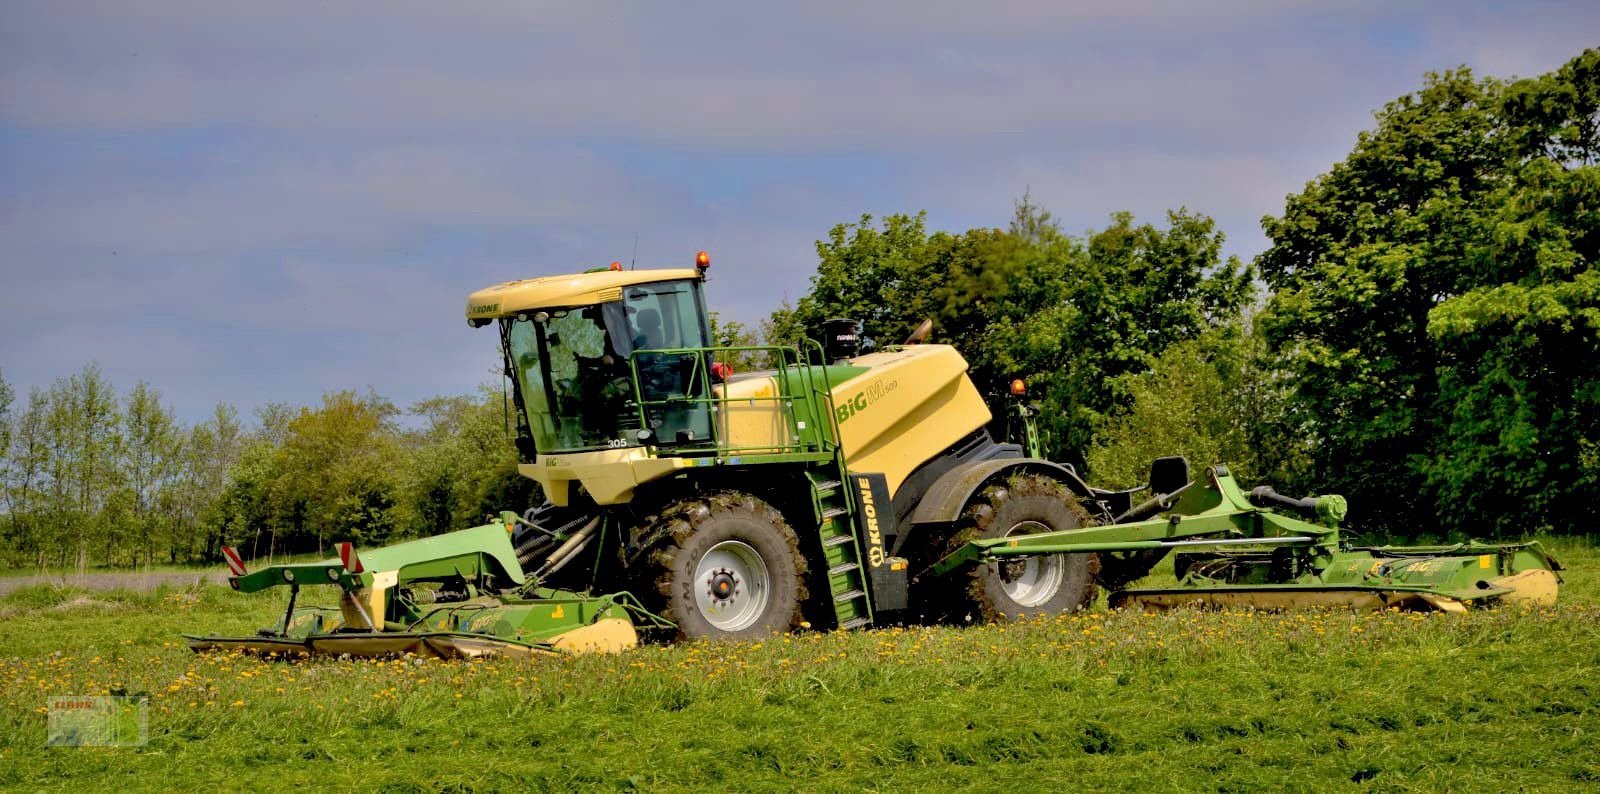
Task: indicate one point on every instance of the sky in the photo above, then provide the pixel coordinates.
(254, 202)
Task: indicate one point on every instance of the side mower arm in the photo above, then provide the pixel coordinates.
(1216, 510)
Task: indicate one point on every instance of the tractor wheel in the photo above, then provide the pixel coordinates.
(1024, 586)
(724, 567)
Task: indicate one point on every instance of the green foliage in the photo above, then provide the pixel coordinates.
(336, 479)
(1072, 317)
(347, 470)
(82, 440)
(1212, 399)
(782, 327)
(6, 398)
(462, 466)
(86, 478)
(151, 458)
(1437, 304)
(732, 333)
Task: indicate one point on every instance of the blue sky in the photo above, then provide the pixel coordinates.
(248, 202)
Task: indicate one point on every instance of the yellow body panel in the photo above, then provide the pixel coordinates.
(607, 635)
(609, 475)
(581, 289)
(1533, 587)
(753, 420)
(912, 405)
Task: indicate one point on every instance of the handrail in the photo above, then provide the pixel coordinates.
(794, 376)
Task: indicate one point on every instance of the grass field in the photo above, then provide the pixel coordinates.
(1494, 700)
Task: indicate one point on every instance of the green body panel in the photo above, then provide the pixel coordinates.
(469, 553)
(1464, 573)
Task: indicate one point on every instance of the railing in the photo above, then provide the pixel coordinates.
(677, 402)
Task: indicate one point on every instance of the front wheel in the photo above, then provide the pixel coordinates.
(1021, 586)
(725, 567)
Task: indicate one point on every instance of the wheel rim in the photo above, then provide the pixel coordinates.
(1032, 581)
(731, 586)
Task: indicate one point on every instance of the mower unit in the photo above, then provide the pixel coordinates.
(1233, 550)
(458, 595)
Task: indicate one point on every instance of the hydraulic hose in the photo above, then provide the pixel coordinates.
(1151, 506)
(1264, 494)
(569, 550)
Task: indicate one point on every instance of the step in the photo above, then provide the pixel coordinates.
(849, 595)
(843, 567)
(837, 540)
(855, 623)
(828, 486)
(832, 513)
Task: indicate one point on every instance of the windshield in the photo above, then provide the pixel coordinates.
(571, 365)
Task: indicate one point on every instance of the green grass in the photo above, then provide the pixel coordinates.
(1119, 701)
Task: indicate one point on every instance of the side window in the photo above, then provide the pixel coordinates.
(675, 386)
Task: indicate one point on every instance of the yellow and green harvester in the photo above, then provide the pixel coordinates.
(824, 485)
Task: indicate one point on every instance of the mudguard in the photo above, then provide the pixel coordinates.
(947, 496)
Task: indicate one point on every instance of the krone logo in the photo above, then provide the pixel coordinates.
(875, 555)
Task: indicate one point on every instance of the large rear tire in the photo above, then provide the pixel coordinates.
(725, 566)
(1020, 587)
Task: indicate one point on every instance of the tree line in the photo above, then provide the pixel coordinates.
(88, 476)
(1422, 335)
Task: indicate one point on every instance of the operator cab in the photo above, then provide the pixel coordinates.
(572, 345)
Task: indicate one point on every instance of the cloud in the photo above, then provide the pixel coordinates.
(376, 196)
(250, 202)
(832, 76)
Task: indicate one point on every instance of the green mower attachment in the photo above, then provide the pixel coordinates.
(480, 603)
(1232, 549)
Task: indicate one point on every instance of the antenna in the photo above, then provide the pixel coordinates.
(635, 259)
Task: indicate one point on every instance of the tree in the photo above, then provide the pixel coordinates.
(1212, 399)
(336, 473)
(1144, 289)
(782, 327)
(1071, 317)
(859, 273)
(211, 450)
(81, 432)
(732, 333)
(463, 466)
(1434, 301)
(6, 398)
(29, 461)
(149, 463)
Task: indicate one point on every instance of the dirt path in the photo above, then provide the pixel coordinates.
(119, 580)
